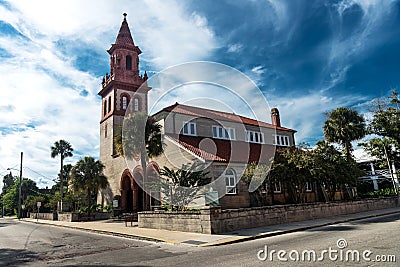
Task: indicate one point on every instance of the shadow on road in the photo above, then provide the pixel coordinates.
(4, 224)
(380, 219)
(334, 228)
(105, 265)
(13, 257)
(356, 224)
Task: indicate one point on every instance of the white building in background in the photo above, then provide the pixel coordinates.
(373, 173)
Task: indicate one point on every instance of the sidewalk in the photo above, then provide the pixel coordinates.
(118, 228)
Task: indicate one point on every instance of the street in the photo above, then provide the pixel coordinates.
(356, 243)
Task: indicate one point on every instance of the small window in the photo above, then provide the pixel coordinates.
(105, 131)
(223, 133)
(136, 102)
(308, 187)
(277, 187)
(232, 133)
(230, 182)
(105, 107)
(189, 128)
(254, 137)
(109, 104)
(282, 140)
(124, 102)
(128, 62)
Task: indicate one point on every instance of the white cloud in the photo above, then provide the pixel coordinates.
(305, 113)
(281, 17)
(234, 48)
(258, 70)
(41, 99)
(348, 48)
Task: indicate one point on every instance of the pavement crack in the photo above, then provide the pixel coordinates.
(83, 253)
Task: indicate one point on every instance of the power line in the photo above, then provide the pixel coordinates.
(37, 173)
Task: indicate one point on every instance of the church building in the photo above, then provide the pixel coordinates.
(186, 129)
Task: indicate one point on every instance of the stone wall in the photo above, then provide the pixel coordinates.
(44, 216)
(216, 220)
(68, 216)
(76, 217)
(176, 221)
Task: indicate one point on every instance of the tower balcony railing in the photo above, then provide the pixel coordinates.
(107, 79)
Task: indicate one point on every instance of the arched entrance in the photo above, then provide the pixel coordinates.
(126, 194)
(131, 192)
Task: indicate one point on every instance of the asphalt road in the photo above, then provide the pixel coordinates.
(27, 244)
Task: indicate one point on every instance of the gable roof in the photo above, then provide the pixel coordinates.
(218, 115)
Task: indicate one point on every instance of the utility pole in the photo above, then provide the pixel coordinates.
(20, 186)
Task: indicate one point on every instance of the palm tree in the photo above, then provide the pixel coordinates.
(180, 187)
(140, 138)
(343, 126)
(87, 175)
(64, 149)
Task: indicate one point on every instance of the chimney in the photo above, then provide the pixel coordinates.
(276, 120)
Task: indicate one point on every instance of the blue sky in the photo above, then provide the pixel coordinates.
(307, 57)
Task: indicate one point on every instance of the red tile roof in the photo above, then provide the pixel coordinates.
(218, 115)
(226, 150)
(197, 151)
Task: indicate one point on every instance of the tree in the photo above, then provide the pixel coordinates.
(56, 187)
(292, 167)
(140, 138)
(28, 188)
(258, 171)
(331, 170)
(181, 187)
(343, 126)
(376, 147)
(8, 181)
(386, 120)
(87, 176)
(324, 166)
(64, 150)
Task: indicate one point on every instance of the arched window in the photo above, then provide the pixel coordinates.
(124, 102)
(109, 104)
(136, 104)
(230, 181)
(105, 107)
(128, 60)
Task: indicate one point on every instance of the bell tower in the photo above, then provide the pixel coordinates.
(119, 88)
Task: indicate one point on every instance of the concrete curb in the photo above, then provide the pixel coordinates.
(218, 243)
(298, 229)
(131, 236)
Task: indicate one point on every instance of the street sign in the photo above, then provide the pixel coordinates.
(39, 204)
